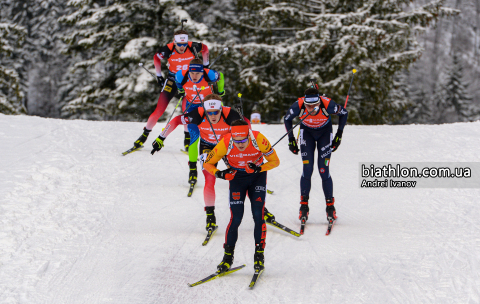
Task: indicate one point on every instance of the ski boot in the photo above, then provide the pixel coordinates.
(259, 258)
(192, 176)
(141, 140)
(331, 213)
(227, 259)
(269, 218)
(211, 220)
(186, 141)
(303, 214)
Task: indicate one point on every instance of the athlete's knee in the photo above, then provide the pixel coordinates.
(307, 168)
(258, 215)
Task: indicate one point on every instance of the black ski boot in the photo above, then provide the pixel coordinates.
(331, 213)
(303, 214)
(192, 176)
(186, 141)
(211, 220)
(227, 259)
(259, 258)
(141, 140)
(269, 218)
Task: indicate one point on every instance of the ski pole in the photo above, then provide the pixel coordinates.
(215, 60)
(141, 64)
(241, 105)
(183, 20)
(173, 112)
(348, 93)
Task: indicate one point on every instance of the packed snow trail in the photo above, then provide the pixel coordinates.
(79, 223)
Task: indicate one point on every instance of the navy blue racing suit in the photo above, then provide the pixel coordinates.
(316, 133)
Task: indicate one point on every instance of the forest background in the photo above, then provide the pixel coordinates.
(416, 61)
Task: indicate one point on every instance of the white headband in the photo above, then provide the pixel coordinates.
(213, 104)
(182, 38)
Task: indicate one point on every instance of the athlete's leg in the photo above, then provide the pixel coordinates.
(168, 92)
(307, 149)
(324, 145)
(238, 190)
(257, 195)
(209, 189)
(194, 139)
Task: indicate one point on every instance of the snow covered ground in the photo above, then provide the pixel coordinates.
(79, 223)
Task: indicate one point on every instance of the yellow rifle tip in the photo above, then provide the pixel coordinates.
(354, 71)
(239, 95)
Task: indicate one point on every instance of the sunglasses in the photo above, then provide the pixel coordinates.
(242, 141)
(182, 44)
(213, 113)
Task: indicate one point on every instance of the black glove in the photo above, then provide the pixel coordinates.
(337, 140)
(157, 144)
(252, 168)
(227, 174)
(160, 81)
(292, 145)
(181, 93)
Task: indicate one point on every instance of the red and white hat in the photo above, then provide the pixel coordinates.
(213, 104)
(182, 38)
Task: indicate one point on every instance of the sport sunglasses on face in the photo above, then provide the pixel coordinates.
(182, 44)
(240, 141)
(213, 113)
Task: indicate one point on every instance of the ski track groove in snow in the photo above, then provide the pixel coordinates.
(79, 223)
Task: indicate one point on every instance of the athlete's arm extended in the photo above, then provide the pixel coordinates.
(293, 112)
(341, 112)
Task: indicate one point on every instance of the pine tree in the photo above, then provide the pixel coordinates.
(109, 39)
(457, 99)
(278, 46)
(40, 64)
(11, 97)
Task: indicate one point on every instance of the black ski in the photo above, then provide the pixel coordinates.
(331, 222)
(280, 226)
(256, 275)
(192, 186)
(131, 150)
(216, 275)
(302, 225)
(210, 233)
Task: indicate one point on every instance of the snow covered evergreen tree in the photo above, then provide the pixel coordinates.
(457, 99)
(40, 65)
(280, 45)
(109, 39)
(11, 96)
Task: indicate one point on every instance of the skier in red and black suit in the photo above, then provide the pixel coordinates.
(316, 132)
(245, 150)
(179, 53)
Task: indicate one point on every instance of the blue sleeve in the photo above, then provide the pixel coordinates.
(179, 79)
(213, 75)
(336, 109)
(293, 112)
